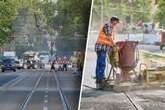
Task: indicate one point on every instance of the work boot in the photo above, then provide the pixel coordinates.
(101, 84)
(98, 84)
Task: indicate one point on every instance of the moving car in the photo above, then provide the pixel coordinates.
(44, 61)
(30, 60)
(8, 64)
(19, 64)
(30, 64)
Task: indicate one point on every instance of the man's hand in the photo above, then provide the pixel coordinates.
(114, 44)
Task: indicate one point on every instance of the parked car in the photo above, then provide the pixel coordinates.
(0, 64)
(8, 64)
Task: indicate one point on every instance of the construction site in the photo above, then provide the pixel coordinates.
(135, 73)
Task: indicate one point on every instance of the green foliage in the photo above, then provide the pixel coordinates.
(138, 9)
(160, 15)
(67, 17)
(7, 12)
(76, 15)
(73, 15)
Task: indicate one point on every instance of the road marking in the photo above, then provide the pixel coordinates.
(45, 108)
(16, 82)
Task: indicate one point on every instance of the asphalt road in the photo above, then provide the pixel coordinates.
(39, 90)
(134, 100)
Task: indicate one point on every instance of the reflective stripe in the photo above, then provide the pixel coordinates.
(103, 39)
(105, 36)
(104, 42)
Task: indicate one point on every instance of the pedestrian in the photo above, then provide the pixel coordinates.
(104, 44)
(64, 66)
(52, 66)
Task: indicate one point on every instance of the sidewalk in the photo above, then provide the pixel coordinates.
(89, 69)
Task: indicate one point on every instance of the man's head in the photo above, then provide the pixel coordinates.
(114, 21)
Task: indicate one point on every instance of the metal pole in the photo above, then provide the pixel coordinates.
(102, 9)
(143, 19)
(51, 47)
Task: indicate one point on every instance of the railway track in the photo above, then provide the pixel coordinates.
(40, 90)
(29, 96)
(134, 105)
(64, 100)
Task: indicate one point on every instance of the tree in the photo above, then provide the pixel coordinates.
(160, 16)
(136, 9)
(68, 17)
(7, 12)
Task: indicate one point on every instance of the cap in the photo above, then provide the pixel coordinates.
(114, 18)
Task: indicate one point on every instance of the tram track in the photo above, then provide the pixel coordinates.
(29, 96)
(64, 100)
(40, 90)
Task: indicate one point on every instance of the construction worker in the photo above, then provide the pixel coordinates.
(103, 45)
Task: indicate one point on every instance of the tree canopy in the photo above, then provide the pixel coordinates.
(68, 18)
(7, 12)
(160, 15)
(135, 10)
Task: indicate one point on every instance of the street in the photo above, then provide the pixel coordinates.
(39, 90)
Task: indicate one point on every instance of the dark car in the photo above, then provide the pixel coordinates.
(8, 64)
(0, 62)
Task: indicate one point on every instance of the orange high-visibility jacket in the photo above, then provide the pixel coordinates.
(103, 39)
